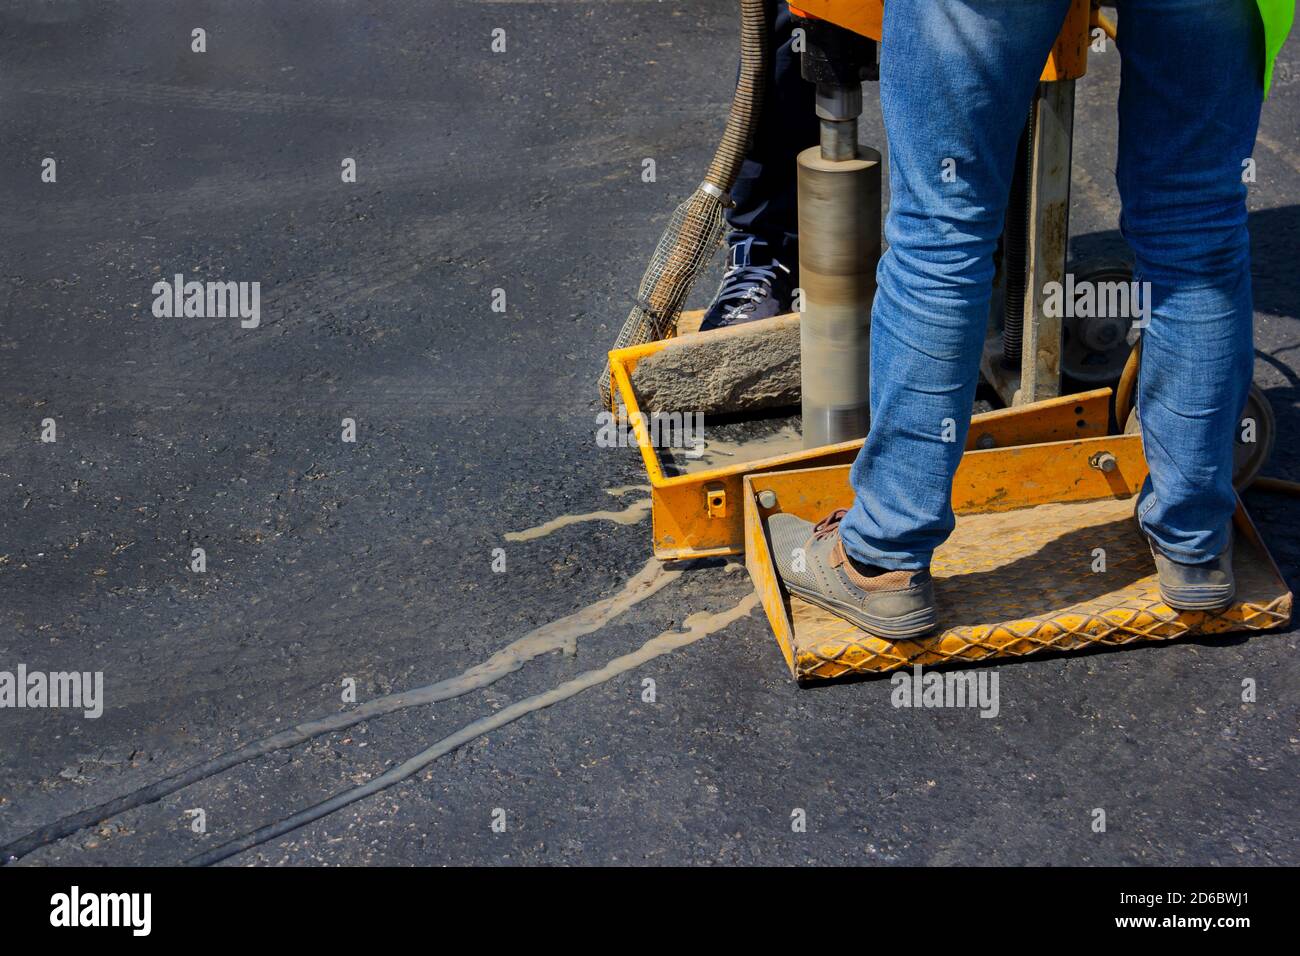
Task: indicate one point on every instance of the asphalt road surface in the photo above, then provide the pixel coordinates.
(372, 561)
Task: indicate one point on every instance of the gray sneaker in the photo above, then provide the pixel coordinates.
(1196, 587)
(894, 605)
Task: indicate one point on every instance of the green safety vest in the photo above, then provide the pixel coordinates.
(1277, 16)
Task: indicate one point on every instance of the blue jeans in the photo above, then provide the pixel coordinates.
(956, 81)
(765, 193)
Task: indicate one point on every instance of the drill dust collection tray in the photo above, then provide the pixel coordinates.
(1046, 556)
(698, 514)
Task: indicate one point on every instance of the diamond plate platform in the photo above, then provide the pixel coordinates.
(1013, 580)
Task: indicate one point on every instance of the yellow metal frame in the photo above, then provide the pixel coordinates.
(700, 514)
(1033, 498)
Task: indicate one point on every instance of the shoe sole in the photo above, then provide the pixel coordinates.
(1200, 601)
(905, 627)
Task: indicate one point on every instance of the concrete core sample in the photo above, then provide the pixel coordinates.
(742, 368)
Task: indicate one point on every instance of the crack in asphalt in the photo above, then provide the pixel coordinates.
(698, 626)
(558, 635)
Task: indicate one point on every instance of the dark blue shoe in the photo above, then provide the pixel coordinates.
(753, 287)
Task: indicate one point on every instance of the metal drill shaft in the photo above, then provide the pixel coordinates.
(839, 248)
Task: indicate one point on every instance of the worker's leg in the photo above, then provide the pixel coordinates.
(762, 246)
(764, 191)
(956, 80)
(1190, 94)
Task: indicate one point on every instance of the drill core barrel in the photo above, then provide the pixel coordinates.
(839, 248)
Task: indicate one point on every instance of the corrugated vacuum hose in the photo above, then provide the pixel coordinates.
(695, 230)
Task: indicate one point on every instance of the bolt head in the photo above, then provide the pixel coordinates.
(1104, 461)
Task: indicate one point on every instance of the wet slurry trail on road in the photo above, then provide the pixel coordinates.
(463, 598)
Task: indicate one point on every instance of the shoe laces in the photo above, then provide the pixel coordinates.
(829, 525)
(746, 283)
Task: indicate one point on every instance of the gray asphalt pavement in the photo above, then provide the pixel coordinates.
(371, 561)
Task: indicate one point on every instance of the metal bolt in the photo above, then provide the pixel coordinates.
(767, 499)
(985, 441)
(1104, 461)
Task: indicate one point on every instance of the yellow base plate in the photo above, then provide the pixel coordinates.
(1013, 581)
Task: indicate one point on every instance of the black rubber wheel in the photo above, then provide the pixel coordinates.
(1094, 349)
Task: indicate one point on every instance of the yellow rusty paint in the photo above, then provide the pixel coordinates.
(688, 322)
(1100, 20)
(860, 16)
(1067, 61)
(682, 524)
(1018, 576)
(1069, 57)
